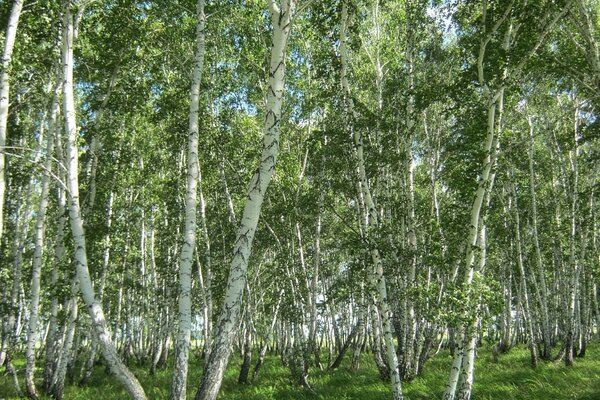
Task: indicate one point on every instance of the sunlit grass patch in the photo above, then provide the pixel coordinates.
(511, 378)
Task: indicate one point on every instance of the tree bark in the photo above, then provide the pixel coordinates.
(182, 344)
(38, 252)
(546, 333)
(94, 307)
(377, 276)
(281, 18)
(9, 42)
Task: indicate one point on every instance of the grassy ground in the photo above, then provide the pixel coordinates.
(509, 379)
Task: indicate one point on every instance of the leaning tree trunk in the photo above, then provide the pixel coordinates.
(182, 344)
(94, 307)
(281, 19)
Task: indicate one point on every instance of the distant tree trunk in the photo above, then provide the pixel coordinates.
(206, 280)
(13, 321)
(247, 347)
(281, 19)
(361, 336)
(377, 345)
(314, 345)
(94, 308)
(182, 344)
(574, 262)
(546, 332)
(349, 340)
(38, 252)
(527, 309)
(54, 338)
(266, 338)
(58, 379)
(9, 42)
(371, 216)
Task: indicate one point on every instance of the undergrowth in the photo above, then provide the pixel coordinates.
(511, 378)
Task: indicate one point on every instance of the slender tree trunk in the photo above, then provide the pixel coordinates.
(281, 19)
(9, 42)
(38, 253)
(206, 282)
(247, 348)
(88, 367)
(349, 340)
(574, 267)
(546, 334)
(468, 342)
(485, 179)
(94, 308)
(409, 358)
(314, 346)
(377, 276)
(182, 345)
(527, 309)
(14, 317)
(266, 338)
(52, 339)
(58, 379)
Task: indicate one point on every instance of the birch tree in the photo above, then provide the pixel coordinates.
(9, 43)
(463, 363)
(281, 19)
(94, 308)
(377, 277)
(178, 386)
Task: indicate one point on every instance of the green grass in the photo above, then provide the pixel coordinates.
(510, 379)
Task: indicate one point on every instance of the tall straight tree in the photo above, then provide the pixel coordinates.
(180, 368)
(9, 43)
(94, 307)
(39, 248)
(281, 18)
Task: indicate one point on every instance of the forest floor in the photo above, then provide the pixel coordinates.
(510, 378)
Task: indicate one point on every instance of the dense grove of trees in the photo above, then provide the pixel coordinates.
(310, 178)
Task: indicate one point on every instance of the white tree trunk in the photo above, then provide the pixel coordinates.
(281, 18)
(467, 345)
(377, 275)
(94, 308)
(58, 379)
(182, 343)
(38, 251)
(9, 42)
(574, 263)
(546, 334)
(527, 308)
(53, 339)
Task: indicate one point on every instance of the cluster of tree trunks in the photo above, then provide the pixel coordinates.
(395, 257)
